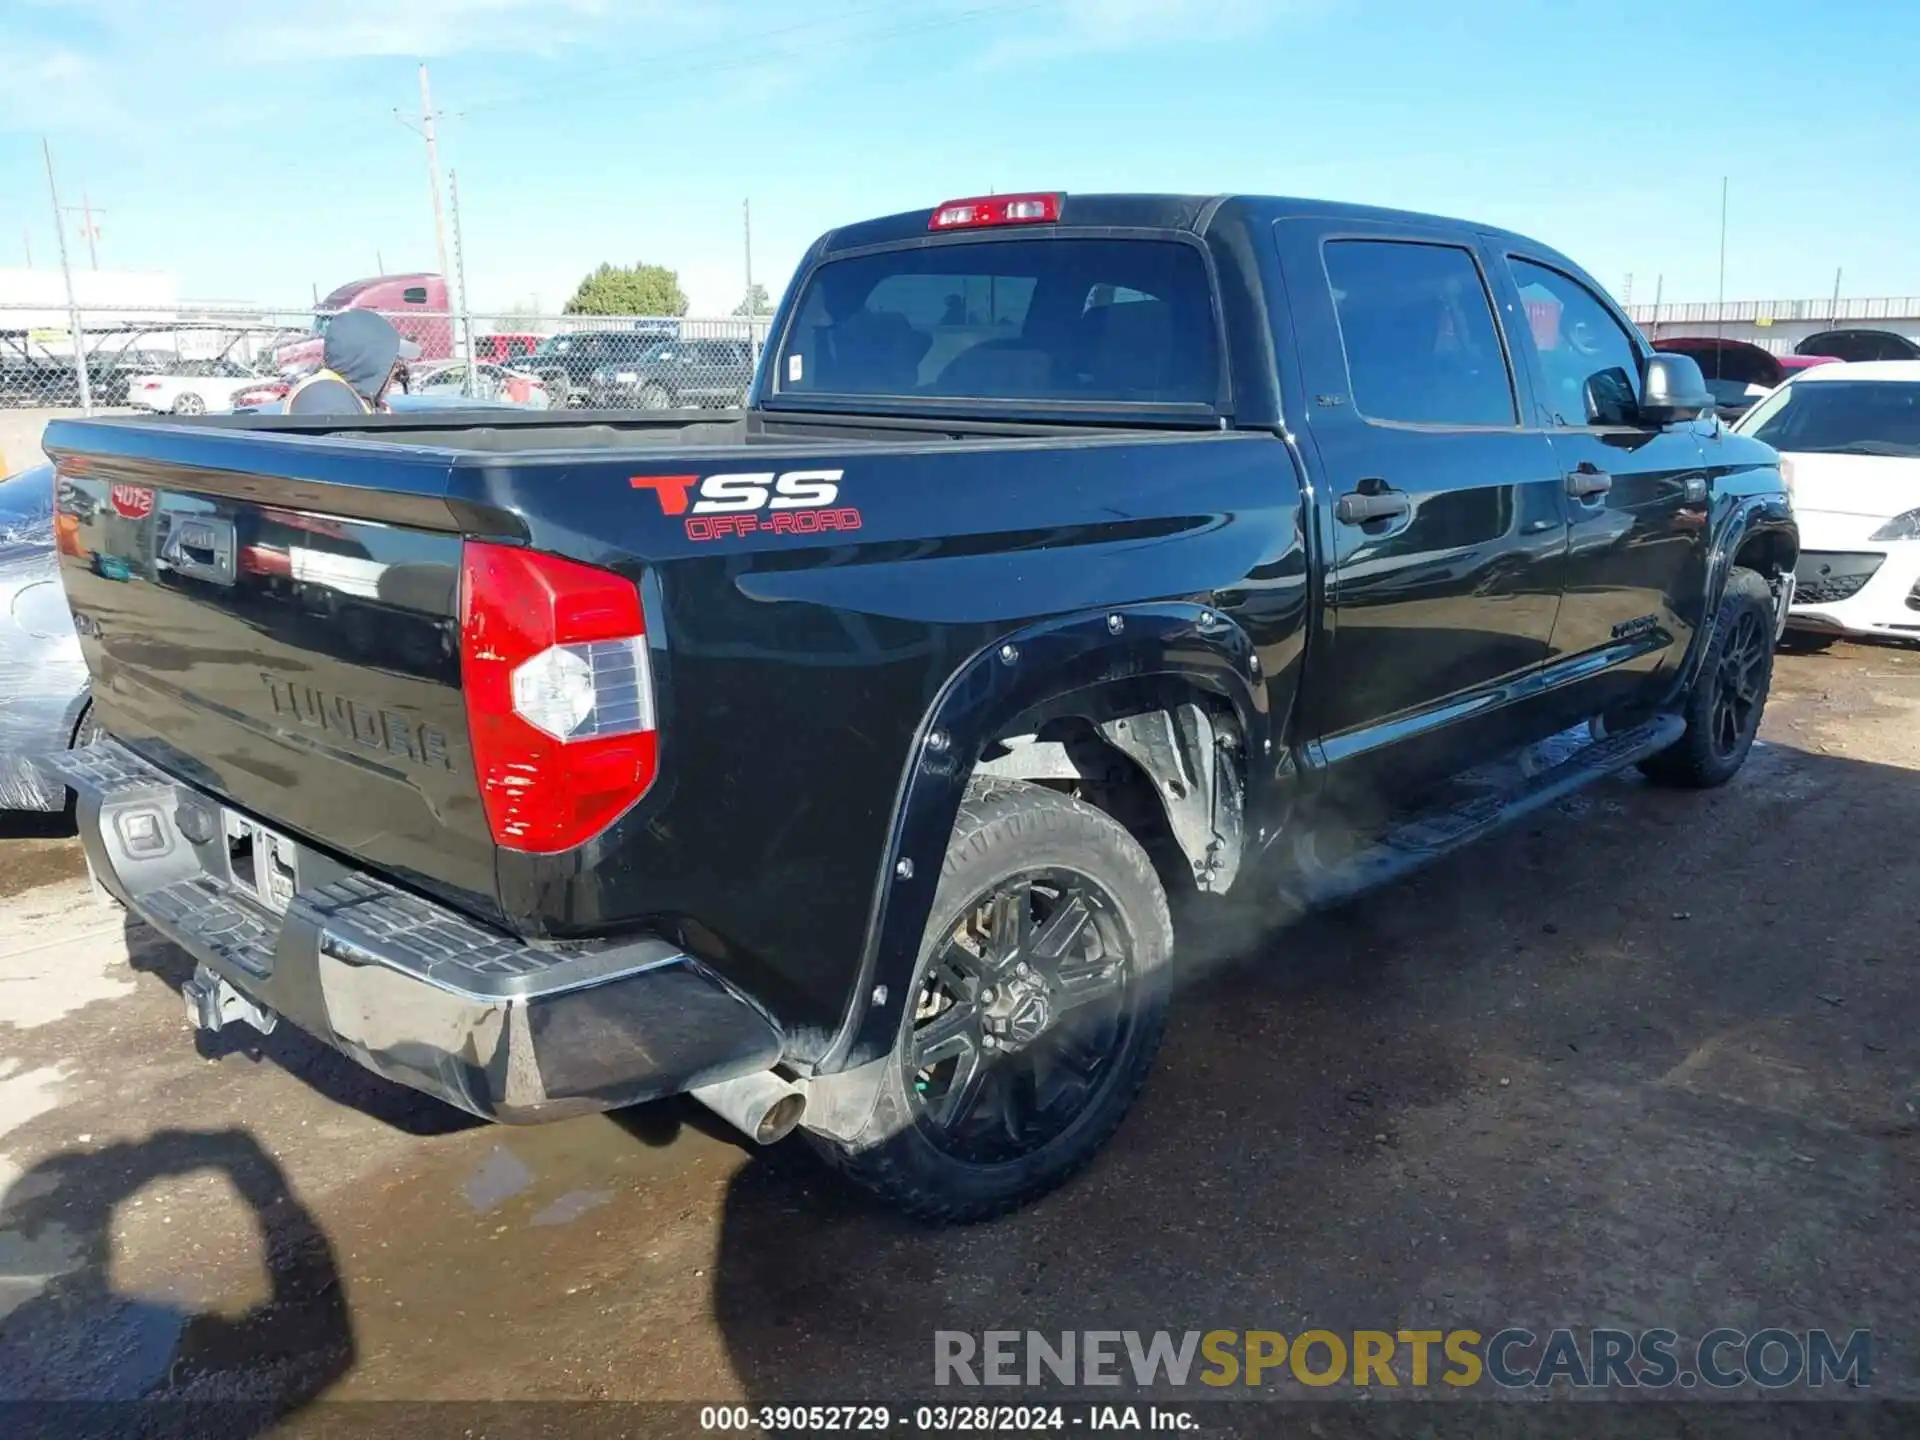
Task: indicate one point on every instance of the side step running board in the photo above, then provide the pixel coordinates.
(1424, 838)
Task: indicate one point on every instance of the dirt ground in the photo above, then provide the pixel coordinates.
(20, 437)
(1653, 1060)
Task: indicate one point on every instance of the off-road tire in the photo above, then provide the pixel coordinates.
(1005, 829)
(1701, 758)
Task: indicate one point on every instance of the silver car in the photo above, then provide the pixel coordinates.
(43, 680)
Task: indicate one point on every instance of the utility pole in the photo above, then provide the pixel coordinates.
(87, 212)
(26, 243)
(1626, 297)
(1659, 289)
(746, 224)
(1720, 305)
(1833, 310)
(460, 279)
(66, 270)
(426, 131)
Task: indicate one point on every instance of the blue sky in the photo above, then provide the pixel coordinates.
(253, 148)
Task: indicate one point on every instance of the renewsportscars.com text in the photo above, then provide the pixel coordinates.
(1511, 1358)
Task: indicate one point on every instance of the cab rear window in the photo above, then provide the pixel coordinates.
(1127, 322)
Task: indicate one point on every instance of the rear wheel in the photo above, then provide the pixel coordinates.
(1035, 1014)
(1729, 695)
(188, 403)
(653, 397)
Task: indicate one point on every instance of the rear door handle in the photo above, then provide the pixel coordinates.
(1586, 482)
(1357, 508)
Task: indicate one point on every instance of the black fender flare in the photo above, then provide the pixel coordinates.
(1766, 513)
(1099, 663)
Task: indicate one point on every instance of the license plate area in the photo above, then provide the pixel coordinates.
(262, 864)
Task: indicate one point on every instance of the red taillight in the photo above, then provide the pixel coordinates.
(559, 694)
(1035, 209)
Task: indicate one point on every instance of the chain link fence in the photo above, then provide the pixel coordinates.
(213, 359)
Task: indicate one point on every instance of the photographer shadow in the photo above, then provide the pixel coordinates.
(83, 1348)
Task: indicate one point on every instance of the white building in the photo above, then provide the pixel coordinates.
(36, 300)
(1778, 325)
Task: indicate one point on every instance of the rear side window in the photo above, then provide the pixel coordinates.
(414, 295)
(1115, 321)
(1422, 347)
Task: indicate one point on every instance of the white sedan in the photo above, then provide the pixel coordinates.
(199, 387)
(1849, 440)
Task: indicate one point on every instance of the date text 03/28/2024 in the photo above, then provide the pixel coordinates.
(945, 1419)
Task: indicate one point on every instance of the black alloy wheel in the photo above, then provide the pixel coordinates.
(1019, 1017)
(1729, 693)
(1038, 1001)
(1740, 685)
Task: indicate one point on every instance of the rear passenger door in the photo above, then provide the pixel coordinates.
(1637, 495)
(1441, 519)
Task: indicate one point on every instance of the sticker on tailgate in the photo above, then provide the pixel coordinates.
(761, 502)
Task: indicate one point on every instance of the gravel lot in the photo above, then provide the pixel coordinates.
(1653, 1060)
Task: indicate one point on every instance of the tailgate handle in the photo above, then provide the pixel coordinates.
(1358, 507)
(1587, 481)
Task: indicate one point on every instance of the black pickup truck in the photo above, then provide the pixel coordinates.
(837, 760)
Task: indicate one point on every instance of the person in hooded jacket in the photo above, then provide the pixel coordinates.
(357, 364)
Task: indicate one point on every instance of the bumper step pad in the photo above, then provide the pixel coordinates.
(411, 989)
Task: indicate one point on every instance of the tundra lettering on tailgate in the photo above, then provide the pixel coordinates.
(367, 726)
(794, 502)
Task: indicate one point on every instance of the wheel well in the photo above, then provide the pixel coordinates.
(1769, 553)
(1175, 778)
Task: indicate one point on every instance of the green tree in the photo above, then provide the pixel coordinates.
(756, 302)
(629, 290)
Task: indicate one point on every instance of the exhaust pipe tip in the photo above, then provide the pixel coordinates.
(781, 1119)
(763, 1106)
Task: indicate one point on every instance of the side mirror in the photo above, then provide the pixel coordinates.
(1672, 389)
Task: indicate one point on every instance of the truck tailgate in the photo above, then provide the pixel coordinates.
(291, 647)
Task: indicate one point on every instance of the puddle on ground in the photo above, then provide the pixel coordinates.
(501, 1176)
(571, 1206)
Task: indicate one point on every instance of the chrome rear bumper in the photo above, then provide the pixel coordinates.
(409, 988)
